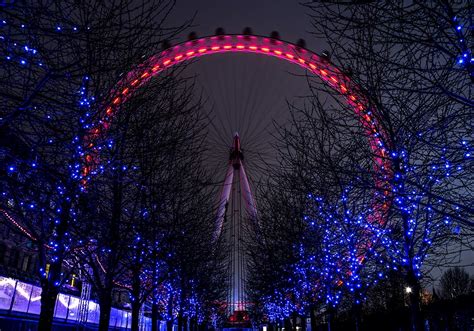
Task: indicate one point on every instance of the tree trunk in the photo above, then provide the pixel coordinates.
(303, 323)
(136, 305)
(330, 317)
(180, 321)
(105, 301)
(357, 315)
(154, 316)
(169, 322)
(48, 301)
(135, 315)
(50, 282)
(185, 324)
(313, 318)
(414, 297)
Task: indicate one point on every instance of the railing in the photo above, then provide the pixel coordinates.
(19, 297)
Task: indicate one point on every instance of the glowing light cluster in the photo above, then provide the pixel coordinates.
(466, 58)
(15, 223)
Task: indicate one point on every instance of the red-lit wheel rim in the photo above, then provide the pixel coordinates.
(289, 52)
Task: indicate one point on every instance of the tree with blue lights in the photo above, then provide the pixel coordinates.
(414, 61)
(341, 248)
(59, 60)
(143, 193)
(45, 103)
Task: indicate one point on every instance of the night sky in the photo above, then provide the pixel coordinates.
(245, 92)
(263, 16)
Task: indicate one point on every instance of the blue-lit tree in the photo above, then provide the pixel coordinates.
(327, 157)
(59, 61)
(46, 106)
(341, 246)
(139, 190)
(352, 259)
(171, 212)
(415, 62)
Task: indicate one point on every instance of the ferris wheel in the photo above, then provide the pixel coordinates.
(263, 46)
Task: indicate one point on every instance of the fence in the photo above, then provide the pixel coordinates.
(19, 297)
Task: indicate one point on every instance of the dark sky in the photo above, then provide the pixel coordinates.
(263, 16)
(245, 92)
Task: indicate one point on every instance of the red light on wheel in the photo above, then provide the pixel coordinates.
(238, 44)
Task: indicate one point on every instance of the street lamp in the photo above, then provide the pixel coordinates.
(408, 289)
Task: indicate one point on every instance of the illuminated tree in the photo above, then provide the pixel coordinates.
(415, 62)
(341, 244)
(150, 156)
(59, 60)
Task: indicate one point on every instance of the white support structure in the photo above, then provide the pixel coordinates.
(236, 201)
(224, 200)
(247, 195)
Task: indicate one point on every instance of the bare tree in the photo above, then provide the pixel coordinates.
(455, 282)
